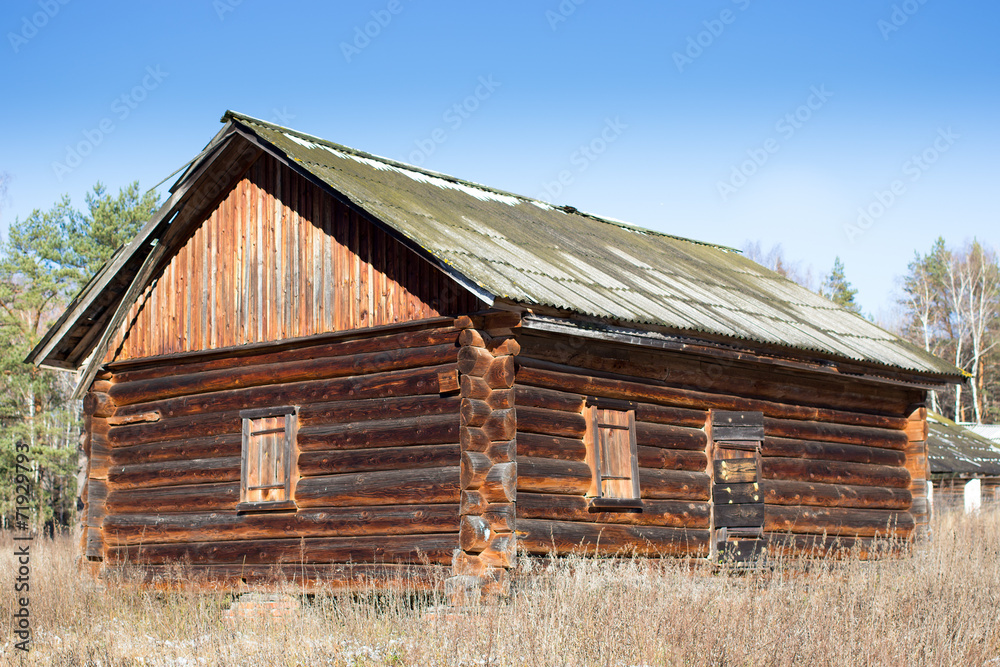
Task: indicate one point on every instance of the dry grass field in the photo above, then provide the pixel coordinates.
(940, 606)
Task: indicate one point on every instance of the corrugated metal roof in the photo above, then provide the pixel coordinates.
(956, 449)
(988, 431)
(533, 253)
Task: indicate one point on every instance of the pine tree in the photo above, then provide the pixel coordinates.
(44, 261)
(838, 289)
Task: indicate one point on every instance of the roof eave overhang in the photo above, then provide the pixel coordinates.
(84, 312)
(734, 351)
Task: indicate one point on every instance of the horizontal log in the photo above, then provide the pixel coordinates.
(474, 387)
(550, 422)
(448, 382)
(745, 492)
(475, 466)
(671, 513)
(501, 399)
(673, 484)
(670, 437)
(542, 536)
(98, 404)
(779, 492)
(127, 529)
(837, 521)
(339, 412)
(550, 447)
(474, 534)
(172, 386)
(471, 338)
(500, 516)
(429, 430)
(549, 399)
(322, 578)
(735, 471)
(384, 487)
(330, 462)
(834, 472)
(829, 432)
(172, 473)
(501, 425)
(179, 450)
(135, 418)
(191, 498)
(658, 414)
(748, 515)
(262, 354)
(198, 426)
(500, 485)
(579, 381)
(671, 459)
(500, 374)
(433, 548)
(351, 391)
(850, 396)
(502, 451)
(474, 412)
(831, 451)
(553, 476)
(474, 361)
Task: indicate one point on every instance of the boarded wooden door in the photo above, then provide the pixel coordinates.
(738, 506)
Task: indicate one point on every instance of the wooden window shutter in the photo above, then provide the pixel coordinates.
(267, 458)
(611, 452)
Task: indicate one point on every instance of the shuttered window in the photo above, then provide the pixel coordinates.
(611, 452)
(266, 466)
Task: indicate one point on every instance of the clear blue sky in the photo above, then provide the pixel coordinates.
(726, 121)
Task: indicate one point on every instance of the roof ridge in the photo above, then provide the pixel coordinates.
(569, 210)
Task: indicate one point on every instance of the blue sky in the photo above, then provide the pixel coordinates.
(863, 129)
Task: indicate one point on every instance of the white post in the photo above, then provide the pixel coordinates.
(930, 500)
(973, 496)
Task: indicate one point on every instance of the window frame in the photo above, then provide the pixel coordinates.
(595, 455)
(247, 417)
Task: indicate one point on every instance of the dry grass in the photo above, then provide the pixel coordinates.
(941, 606)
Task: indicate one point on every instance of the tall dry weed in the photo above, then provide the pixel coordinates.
(938, 606)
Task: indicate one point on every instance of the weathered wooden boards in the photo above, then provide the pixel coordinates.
(488, 469)
(831, 461)
(377, 473)
(918, 465)
(554, 476)
(738, 507)
(276, 258)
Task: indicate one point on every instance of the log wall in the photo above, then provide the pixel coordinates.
(376, 474)
(831, 473)
(553, 475)
(278, 258)
(488, 457)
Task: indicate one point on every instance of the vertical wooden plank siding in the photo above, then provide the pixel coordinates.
(278, 258)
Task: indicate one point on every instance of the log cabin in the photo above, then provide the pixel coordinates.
(958, 455)
(318, 363)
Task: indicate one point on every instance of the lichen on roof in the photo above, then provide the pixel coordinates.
(538, 254)
(954, 449)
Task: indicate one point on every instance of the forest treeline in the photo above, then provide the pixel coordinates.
(45, 259)
(949, 300)
(948, 303)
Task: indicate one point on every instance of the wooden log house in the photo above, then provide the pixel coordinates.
(320, 363)
(957, 455)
